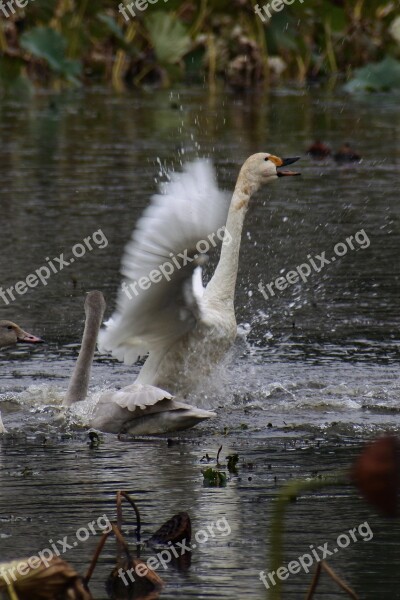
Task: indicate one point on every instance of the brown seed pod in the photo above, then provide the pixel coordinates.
(376, 474)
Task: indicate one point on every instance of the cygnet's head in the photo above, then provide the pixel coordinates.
(95, 303)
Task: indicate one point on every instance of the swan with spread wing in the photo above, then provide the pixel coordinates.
(185, 329)
(163, 308)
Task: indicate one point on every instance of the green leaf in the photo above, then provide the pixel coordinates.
(168, 37)
(376, 77)
(281, 34)
(45, 43)
(112, 25)
(213, 478)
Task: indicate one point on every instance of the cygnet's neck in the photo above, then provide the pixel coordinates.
(79, 382)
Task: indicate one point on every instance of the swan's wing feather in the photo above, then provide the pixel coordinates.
(139, 396)
(163, 257)
(144, 409)
(115, 409)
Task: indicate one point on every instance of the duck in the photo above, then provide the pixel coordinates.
(12, 334)
(319, 150)
(135, 409)
(346, 154)
(184, 328)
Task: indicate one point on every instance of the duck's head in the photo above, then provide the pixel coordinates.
(11, 334)
(263, 168)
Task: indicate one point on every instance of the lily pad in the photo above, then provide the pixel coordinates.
(50, 45)
(168, 37)
(376, 77)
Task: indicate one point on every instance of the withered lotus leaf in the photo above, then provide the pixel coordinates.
(176, 529)
(57, 580)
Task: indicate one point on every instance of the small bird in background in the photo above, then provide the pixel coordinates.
(319, 150)
(346, 154)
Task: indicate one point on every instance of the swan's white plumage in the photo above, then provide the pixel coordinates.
(186, 330)
(189, 208)
(139, 396)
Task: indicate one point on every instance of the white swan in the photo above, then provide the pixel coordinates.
(12, 334)
(185, 328)
(136, 409)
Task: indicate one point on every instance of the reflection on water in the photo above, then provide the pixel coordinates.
(315, 369)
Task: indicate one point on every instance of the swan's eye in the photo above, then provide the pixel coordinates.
(266, 158)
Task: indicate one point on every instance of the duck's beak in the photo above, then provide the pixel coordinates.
(27, 338)
(285, 162)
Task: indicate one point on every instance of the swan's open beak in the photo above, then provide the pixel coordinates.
(284, 163)
(27, 338)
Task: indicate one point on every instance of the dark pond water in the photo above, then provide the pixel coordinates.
(319, 361)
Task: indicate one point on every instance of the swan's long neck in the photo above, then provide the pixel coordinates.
(221, 288)
(79, 383)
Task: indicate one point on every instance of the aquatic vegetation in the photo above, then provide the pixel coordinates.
(56, 580)
(375, 473)
(50, 45)
(47, 578)
(73, 42)
(376, 77)
(323, 566)
(214, 477)
(174, 530)
(169, 37)
(217, 477)
(233, 460)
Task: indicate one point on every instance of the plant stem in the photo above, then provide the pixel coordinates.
(288, 492)
(314, 582)
(338, 580)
